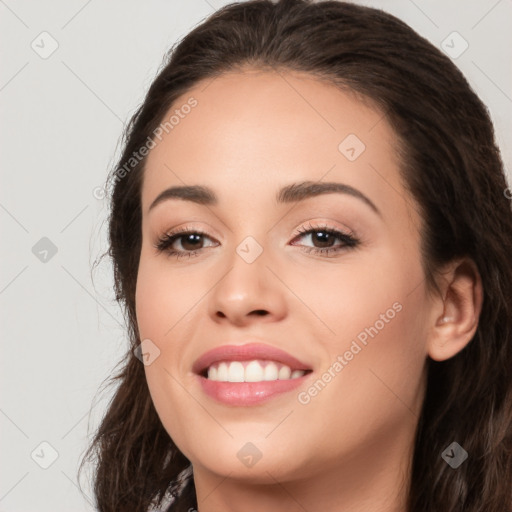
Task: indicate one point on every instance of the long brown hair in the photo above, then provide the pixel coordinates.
(452, 167)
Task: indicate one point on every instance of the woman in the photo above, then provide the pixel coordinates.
(311, 234)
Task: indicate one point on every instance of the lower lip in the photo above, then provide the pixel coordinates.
(248, 393)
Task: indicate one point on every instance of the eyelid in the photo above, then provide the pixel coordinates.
(313, 225)
(191, 228)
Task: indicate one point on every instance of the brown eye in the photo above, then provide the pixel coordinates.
(186, 242)
(323, 240)
(191, 242)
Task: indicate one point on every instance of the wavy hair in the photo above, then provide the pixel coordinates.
(451, 166)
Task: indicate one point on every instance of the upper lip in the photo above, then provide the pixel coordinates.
(247, 352)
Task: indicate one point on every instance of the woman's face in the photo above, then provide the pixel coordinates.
(351, 307)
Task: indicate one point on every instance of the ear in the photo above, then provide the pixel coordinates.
(456, 310)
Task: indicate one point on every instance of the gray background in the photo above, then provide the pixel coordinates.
(61, 119)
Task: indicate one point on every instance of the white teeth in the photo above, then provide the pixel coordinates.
(236, 372)
(284, 373)
(271, 371)
(212, 373)
(251, 371)
(222, 372)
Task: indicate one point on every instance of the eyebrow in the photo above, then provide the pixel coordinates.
(289, 194)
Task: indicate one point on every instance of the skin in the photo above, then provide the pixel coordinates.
(349, 448)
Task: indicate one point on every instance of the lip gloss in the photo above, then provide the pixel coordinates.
(248, 393)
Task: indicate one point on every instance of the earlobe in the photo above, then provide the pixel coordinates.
(457, 310)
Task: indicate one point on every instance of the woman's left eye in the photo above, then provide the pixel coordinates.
(191, 241)
(325, 237)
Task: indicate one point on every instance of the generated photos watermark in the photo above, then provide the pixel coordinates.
(360, 341)
(151, 142)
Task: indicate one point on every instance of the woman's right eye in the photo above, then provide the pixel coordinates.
(191, 242)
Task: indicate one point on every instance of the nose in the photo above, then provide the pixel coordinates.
(247, 293)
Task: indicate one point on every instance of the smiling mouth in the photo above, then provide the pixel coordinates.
(256, 370)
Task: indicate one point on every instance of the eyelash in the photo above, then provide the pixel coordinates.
(164, 244)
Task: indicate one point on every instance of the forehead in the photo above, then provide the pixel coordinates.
(254, 128)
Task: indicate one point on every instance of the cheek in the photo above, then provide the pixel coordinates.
(164, 303)
(380, 326)
(373, 315)
(362, 290)
(162, 298)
